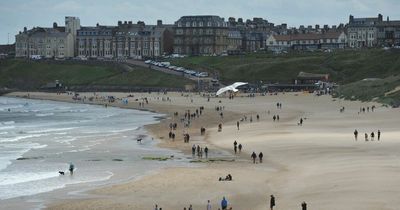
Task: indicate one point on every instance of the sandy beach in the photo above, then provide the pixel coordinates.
(318, 162)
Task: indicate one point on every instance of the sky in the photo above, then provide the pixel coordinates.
(16, 14)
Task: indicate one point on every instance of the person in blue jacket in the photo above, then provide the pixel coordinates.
(224, 203)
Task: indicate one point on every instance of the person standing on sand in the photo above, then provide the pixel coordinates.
(237, 125)
(240, 148)
(71, 168)
(254, 156)
(206, 151)
(372, 136)
(379, 135)
(304, 206)
(190, 207)
(235, 149)
(193, 150)
(260, 156)
(366, 136)
(156, 208)
(274, 118)
(355, 134)
(208, 205)
(272, 202)
(224, 204)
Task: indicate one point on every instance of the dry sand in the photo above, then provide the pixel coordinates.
(318, 162)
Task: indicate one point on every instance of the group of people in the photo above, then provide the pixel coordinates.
(236, 147)
(254, 157)
(372, 135)
(227, 178)
(363, 109)
(199, 150)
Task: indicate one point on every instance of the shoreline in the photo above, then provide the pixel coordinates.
(152, 130)
(314, 162)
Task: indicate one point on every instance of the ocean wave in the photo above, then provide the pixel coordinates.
(18, 138)
(44, 114)
(7, 123)
(52, 130)
(15, 178)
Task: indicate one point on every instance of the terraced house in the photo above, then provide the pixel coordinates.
(309, 41)
(55, 42)
(200, 35)
(126, 40)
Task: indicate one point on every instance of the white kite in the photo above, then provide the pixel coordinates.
(231, 87)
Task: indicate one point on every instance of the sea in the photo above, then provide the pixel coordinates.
(39, 138)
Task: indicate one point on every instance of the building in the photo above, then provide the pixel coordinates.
(7, 50)
(126, 40)
(200, 35)
(235, 41)
(55, 42)
(362, 32)
(310, 41)
(388, 33)
(94, 41)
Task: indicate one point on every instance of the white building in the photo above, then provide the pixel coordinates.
(362, 32)
(310, 41)
(55, 42)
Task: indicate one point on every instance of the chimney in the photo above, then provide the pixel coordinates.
(317, 26)
(141, 23)
(125, 22)
(380, 17)
(25, 29)
(387, 18)
(240, 20)
(326, 27)
(97, 25)
(159, 22)
(130, 22)
(54, 25)
(119, 23)
(351, 18)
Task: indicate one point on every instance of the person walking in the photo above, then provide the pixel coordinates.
(254, 156)
(190, 207)
(156, 208)
(272, 202)
(237, 125)
(235, 149)
(260, 156)
(206, 151)
(193, 150)
(372, 136)
(355, 134)
(224, 204)
(240, 148)
(366, 136)
(208, 205)
(304, 206)
(379, 135)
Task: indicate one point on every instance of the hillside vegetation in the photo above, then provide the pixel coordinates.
(343, 66)
(28, 75)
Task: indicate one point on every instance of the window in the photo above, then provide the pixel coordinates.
(194, 24)
(209, 24)
(201, 24)
(187, 24)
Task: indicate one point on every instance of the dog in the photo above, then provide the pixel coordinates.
(61, 172)
(139, 140)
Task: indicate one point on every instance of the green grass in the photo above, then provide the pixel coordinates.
(372, 90)
(28, 75)
(343, 66)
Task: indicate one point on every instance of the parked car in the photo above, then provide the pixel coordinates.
(147, 62)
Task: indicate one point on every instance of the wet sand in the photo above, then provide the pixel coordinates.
(318, 162)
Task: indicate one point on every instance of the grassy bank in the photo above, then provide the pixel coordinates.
(28, 75)
(343, 66)
(385, 90)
